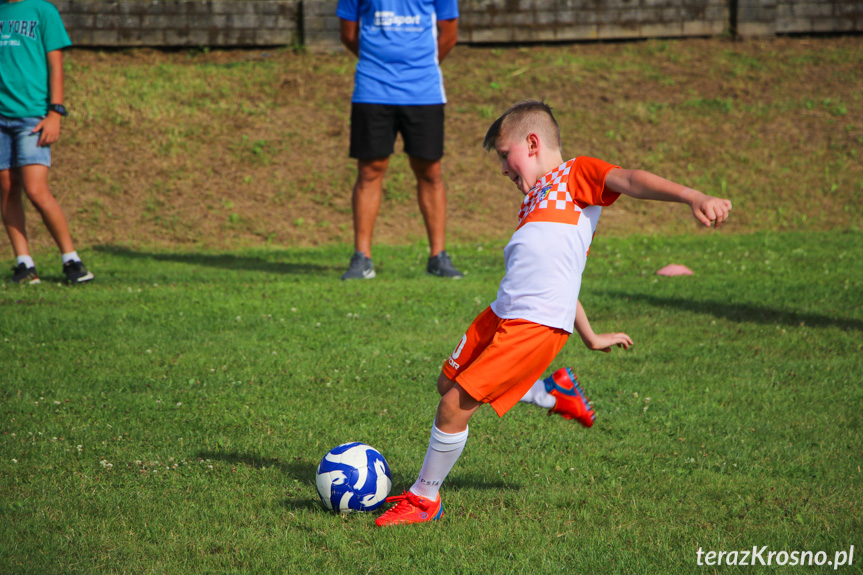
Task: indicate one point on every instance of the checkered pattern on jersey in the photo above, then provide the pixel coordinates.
(550, 193)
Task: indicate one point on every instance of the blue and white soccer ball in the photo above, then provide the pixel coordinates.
(353, 477)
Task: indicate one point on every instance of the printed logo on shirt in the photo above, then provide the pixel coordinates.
(385, 19)
(26, 28)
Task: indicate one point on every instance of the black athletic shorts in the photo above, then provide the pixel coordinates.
(374, 128)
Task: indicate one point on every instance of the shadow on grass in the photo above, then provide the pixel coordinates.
(744, 312)
(299, 469)
(221, 261)
(304, 471)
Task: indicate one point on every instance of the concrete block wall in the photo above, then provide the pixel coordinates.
(321, 25)
(217, 23)
(223, 23)
(504, 21)
(816, 16)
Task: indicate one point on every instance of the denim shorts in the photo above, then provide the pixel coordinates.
(19, 145)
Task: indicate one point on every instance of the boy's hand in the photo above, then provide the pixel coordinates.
(50, 128)
(708, 209)
(604, 341)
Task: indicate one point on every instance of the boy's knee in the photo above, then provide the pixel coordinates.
(38, 193)
(455, 409)
(444, 384)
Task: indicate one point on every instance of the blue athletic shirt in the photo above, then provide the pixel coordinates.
(398, 61)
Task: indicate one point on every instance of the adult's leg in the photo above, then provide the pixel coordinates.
(366, 201)
(34, 181)
(432, 200)
(12, 208)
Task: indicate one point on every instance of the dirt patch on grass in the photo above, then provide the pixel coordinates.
(236, 148)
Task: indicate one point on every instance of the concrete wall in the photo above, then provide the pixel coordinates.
(502, 21)
(313, 22)
(181, 22)
(769, 17)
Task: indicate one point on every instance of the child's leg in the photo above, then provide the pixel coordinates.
(448, 437)
(12, 208)
(538, 395)
(561, 393)
(456, 407)
(34, 180)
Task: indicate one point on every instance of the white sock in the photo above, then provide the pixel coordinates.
(26, 260)
(70, 257)
(537, 395)
(444, 450)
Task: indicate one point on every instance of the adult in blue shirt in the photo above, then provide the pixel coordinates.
(398, 88)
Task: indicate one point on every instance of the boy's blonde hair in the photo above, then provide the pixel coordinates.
(521, 119)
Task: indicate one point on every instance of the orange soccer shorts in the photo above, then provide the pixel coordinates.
(498, 360)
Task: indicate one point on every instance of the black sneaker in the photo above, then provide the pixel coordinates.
(21, 274)
(361, 268)
(76, 273)
(441, 266)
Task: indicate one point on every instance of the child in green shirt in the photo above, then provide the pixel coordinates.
(32, 38)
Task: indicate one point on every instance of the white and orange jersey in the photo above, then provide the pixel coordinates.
(547, 253)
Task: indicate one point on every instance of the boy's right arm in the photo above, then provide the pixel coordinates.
(646, 186)
(49, 126)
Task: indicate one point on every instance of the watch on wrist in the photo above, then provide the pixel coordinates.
(59, 108)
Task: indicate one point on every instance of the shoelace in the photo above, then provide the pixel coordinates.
(405, 500)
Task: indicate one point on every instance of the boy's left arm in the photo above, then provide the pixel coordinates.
(646, 186)
(597, 341)
(50, 124)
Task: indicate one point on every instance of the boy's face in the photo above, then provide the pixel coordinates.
(517, 161)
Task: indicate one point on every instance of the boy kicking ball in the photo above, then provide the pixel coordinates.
(511, 343)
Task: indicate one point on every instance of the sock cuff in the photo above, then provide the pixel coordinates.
(70, 257)
(447, 441)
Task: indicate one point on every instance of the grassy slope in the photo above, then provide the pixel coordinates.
(169, 417)
(225, 149)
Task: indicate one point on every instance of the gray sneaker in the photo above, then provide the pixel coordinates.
(361, 268)
(76, 273)
(24, 275)
(441, 266)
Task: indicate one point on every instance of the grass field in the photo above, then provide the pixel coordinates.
(169, 417)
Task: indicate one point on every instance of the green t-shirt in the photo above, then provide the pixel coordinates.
(29, 29)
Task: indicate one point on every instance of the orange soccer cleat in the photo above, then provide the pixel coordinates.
(570, 400)
(410, 508)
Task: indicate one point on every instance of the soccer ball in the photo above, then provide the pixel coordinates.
(353, 477)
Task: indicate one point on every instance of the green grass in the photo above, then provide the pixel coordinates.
(169, 417)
